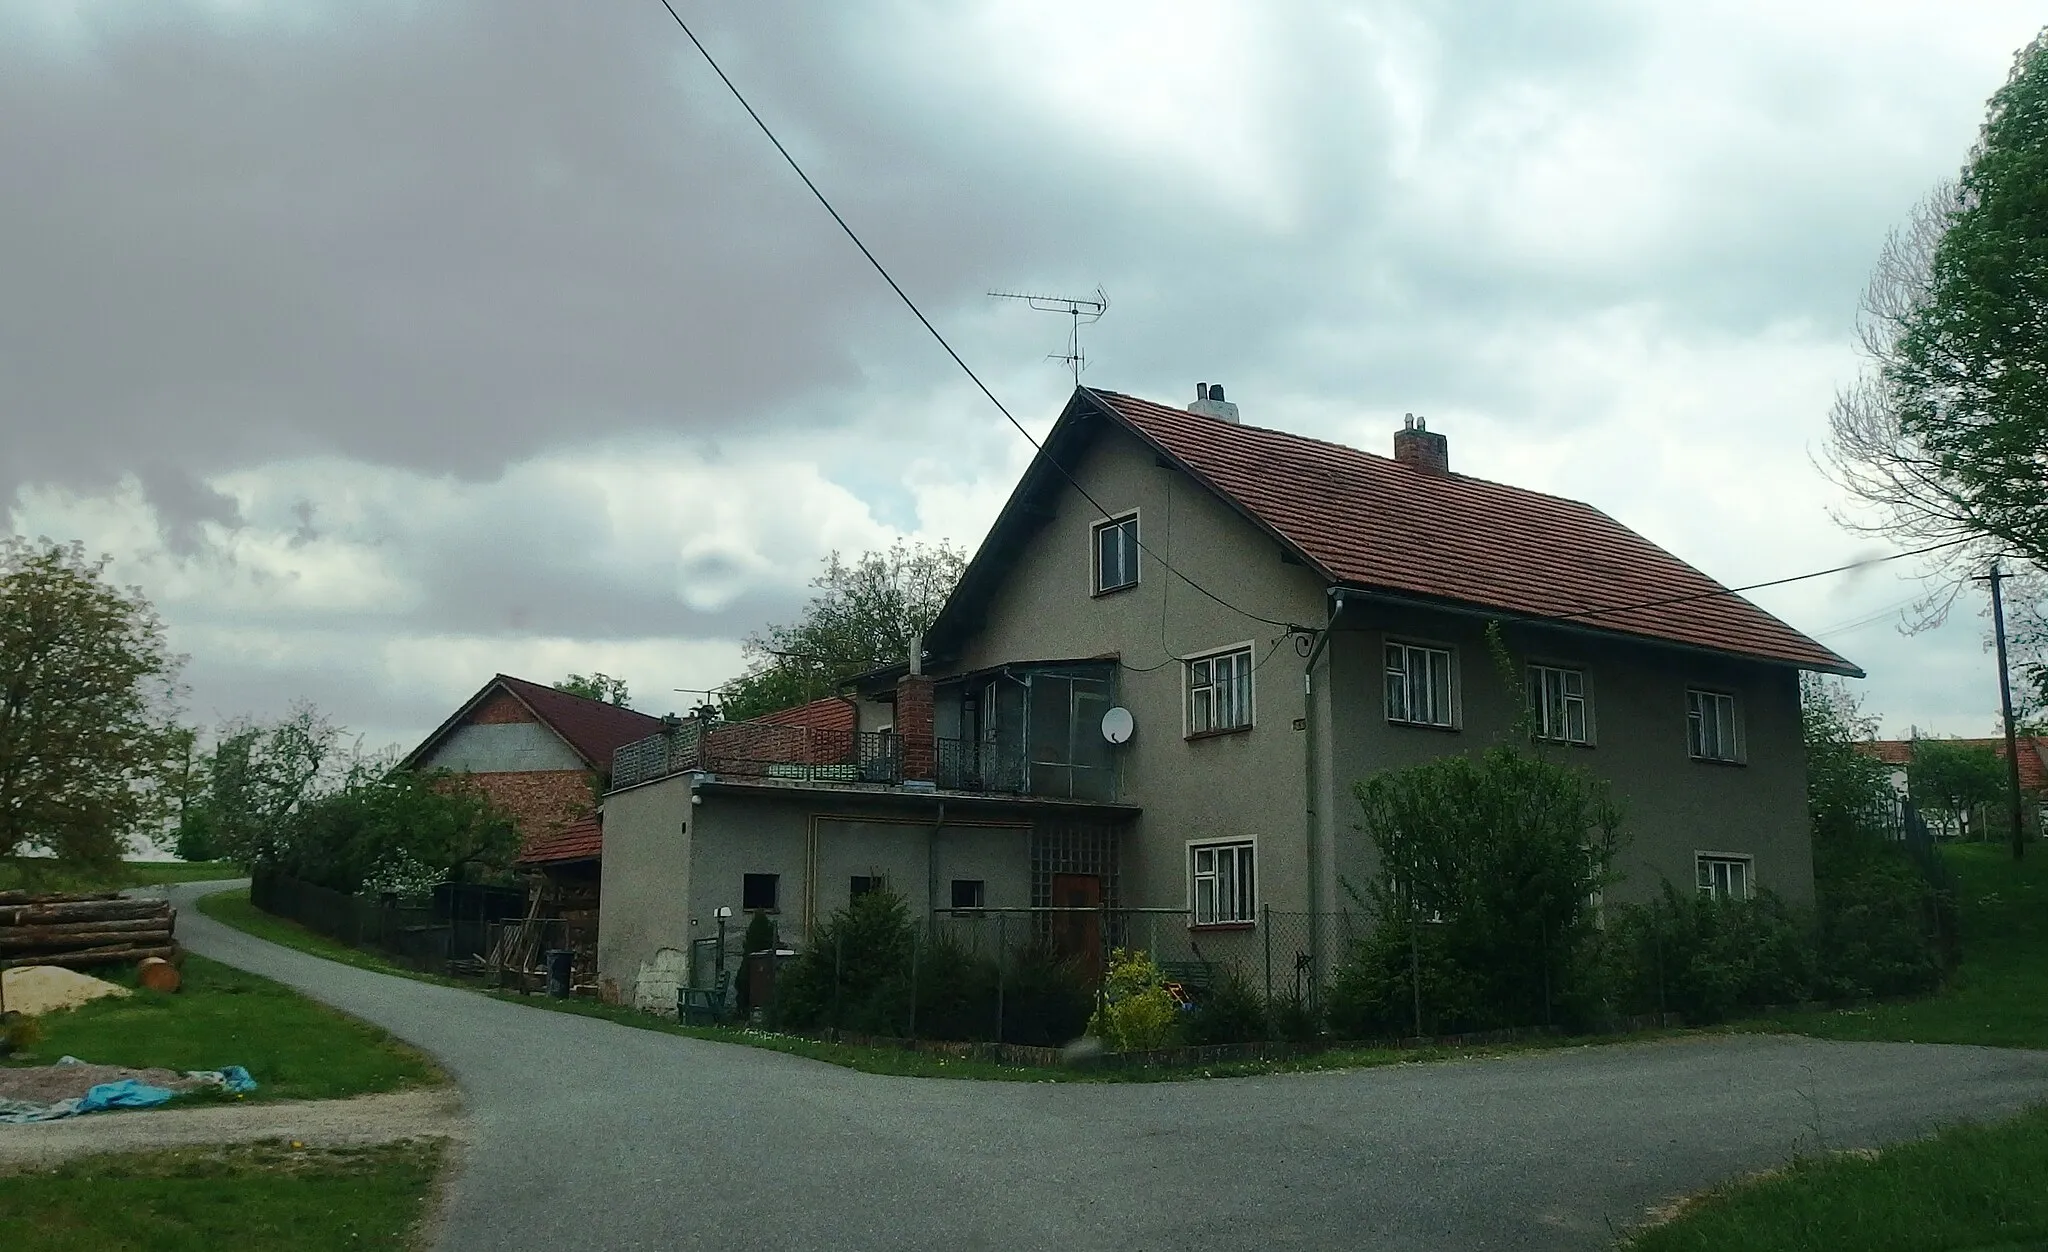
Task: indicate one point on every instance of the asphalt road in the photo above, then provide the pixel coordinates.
(586, 1134)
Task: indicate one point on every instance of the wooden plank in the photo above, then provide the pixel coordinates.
(95, 956)
(82, 911)
(16, 941)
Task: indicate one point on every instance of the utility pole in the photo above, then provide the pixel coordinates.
(2012, 739)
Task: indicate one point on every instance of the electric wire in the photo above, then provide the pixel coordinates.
(1288, 627)
(931, 329)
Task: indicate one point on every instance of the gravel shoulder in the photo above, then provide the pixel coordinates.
(317, 1123)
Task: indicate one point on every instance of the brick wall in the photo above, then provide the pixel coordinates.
(541, 801)
(498, 709)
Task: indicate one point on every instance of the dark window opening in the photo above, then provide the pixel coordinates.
(865, 883)
(757, 891)
(969, 893)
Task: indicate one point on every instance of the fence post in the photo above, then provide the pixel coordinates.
(1543, 925)
(1002, 957)
(1657, 950)
(914, 945)
(838, 951)
(1266, 925)
(1415, 967)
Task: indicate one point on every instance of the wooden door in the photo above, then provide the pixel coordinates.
(1079, 935)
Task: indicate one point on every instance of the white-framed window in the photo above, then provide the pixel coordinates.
(1710, 726)
(1725, 875)
(1116, 553)
(1220, 691)
(1420, 685)
(969, 894)
(1223, 882)
(1557, 697)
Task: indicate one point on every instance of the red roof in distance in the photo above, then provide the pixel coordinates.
(580, 840)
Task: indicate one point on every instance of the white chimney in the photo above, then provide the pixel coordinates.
(1209, 402)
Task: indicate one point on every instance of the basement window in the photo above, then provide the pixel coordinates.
(758, 892)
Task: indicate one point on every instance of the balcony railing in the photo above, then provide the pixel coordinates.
(804, 754)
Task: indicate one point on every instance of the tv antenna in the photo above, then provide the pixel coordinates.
(1081, 311)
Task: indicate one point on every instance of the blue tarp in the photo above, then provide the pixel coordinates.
(128, 1093)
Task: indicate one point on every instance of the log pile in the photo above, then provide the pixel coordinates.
(81, 931)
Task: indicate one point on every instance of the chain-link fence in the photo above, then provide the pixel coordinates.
(457, 930)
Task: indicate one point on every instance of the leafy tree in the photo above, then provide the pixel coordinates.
(1944, 436)
(1950, 779)
(87, 693)
(1489, 867)
(865, 615)
(254, 781)
(597, 686)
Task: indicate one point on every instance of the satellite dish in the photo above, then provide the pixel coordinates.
(1117, 725)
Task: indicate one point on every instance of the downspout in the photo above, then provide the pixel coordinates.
(1314, 818)
(931, 868)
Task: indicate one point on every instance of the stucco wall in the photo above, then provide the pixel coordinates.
(817, 842)
(1244, 784)
(502, 747)
(1673, 806)
(645, 886)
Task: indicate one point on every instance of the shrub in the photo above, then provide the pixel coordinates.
(1374, 991)
(1137, 1012)
(855, 974)
(1878, 924)
(1046, 998)
(1295, 1019)
(1232, 1010)
(1705, 957)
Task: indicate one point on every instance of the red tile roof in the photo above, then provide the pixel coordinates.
(833, 713)
(581, 840)
(2033, 755)
(593, 729)
(1370, 521)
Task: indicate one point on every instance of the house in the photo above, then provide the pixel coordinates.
(1898, 754)
(1272, 618)
(544, 756)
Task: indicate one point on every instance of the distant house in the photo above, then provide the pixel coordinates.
(544, 756)
(1107, 750)
(1898, 753)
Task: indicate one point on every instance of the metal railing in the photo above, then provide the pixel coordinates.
(761, 750)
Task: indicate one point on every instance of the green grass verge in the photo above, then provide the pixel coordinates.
(294, 1047)
(33, 875)
(232, 908)
(254, 1198)
(1999, 995)
(1970, 1187)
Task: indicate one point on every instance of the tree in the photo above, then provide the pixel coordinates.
(1949, 779)
(253, 782)
(865, 616)
(597, 686)
(1945, 435)
(87, 707)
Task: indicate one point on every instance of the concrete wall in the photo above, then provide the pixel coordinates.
(502, 747)
(644, 934)
(1674, 806)
(1246, 783)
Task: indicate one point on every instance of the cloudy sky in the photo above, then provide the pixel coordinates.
(388, 345)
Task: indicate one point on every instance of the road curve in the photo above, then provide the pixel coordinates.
(587, 1134)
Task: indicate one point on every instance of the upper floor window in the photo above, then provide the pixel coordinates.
(1220, 691)
(1710, 726)
(1557, 698)
(1419, 685)
(1224, 886)
(1724, 877)
(1116, 553)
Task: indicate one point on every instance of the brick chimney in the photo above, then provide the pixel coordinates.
(914, 732)
(1417, 447)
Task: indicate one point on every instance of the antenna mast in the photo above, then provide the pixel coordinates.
(1081, 311)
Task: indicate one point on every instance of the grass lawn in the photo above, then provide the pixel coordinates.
(1999, 996)
(1969, 1188)
(252, 1198)
(295, 1048)
(29, 874)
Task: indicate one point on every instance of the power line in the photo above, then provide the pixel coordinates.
(1718, 592)
(926, 322)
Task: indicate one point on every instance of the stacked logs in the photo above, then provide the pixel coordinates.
(80, 931)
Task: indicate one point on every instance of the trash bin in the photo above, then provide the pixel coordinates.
(558, 962)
